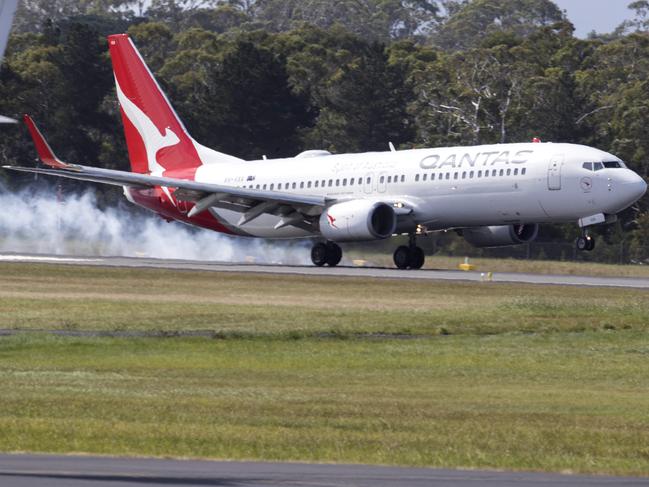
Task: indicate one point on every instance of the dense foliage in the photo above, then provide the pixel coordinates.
(274, 77)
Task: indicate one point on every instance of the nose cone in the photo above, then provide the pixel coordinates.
(632, 188)
(636, 188)
(624, 189)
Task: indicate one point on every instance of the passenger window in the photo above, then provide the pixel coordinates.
(331, 182)
(523, 171)
(493, 173)
(448, 175)
(516, 172)
(598, 166)
(588, 166)
(464, 175)
(425, 176)
(509, 172)
(369, 180)
(455, 176)
(344, 182)
(316, 183)
(264, 186)
(308, 184)
(382, 179)
(432, 177)
(417, 177)
(272, 186)
(294, 185)
(502, 172)
(403, 178)
(302, 185)
(351, 182)
(389, 179)
(471, 175)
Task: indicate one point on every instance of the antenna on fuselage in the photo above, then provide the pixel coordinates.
(391, 145)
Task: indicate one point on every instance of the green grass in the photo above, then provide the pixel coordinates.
(482, 375)
(490, 264)
(78, 298)
(574, 402)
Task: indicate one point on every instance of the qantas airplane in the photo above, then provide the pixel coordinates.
(494, 195)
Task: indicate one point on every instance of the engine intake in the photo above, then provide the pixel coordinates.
(358, 220)
(501, 236)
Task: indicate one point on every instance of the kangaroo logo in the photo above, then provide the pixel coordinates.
(153, 140)
(332, 221)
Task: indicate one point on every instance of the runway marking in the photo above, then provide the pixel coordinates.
(46, 258)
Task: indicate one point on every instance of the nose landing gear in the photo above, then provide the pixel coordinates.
(585, 243)
(326, 253)
(411, 256)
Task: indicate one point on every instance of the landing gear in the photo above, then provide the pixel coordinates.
(409, 257)
(326, 253)
(585, 243)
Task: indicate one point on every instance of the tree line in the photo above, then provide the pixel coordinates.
(275, 77)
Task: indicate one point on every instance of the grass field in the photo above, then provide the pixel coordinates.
(488, 264)
(478, 375)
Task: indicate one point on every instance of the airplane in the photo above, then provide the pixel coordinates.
(493, 195)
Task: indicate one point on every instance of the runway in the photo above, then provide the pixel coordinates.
(86, 471)
(340, 271)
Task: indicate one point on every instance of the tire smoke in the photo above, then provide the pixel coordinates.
(40, 222)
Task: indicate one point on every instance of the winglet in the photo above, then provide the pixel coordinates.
(44, 150)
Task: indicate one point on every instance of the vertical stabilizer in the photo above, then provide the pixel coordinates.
(156, 138)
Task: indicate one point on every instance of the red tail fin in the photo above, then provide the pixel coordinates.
(156, 138)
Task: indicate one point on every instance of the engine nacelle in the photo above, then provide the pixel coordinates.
(501, 236)
(358, 220)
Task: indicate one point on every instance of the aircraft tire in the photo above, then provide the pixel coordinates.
(417, 258)
(319, 254)
(581, 244)
(334, 254)
(590, 244)
(402, 257)
(585, 244)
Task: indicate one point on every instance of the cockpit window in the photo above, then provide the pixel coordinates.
(598, 166)
(588, 165)
(612, 164)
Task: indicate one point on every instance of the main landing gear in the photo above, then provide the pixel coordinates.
(585, 243)
(326, 253)
(410, 256)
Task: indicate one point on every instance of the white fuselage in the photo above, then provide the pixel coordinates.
(454, 187)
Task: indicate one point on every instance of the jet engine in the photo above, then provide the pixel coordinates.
(501, 236)
(358, 220)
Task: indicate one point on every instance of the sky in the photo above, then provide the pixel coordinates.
(602, 16)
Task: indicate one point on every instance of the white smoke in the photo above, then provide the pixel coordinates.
(44, 223)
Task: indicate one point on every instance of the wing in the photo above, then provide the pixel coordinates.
(296, 210)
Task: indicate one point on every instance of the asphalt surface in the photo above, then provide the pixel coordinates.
(366, 272)
(86, 471)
